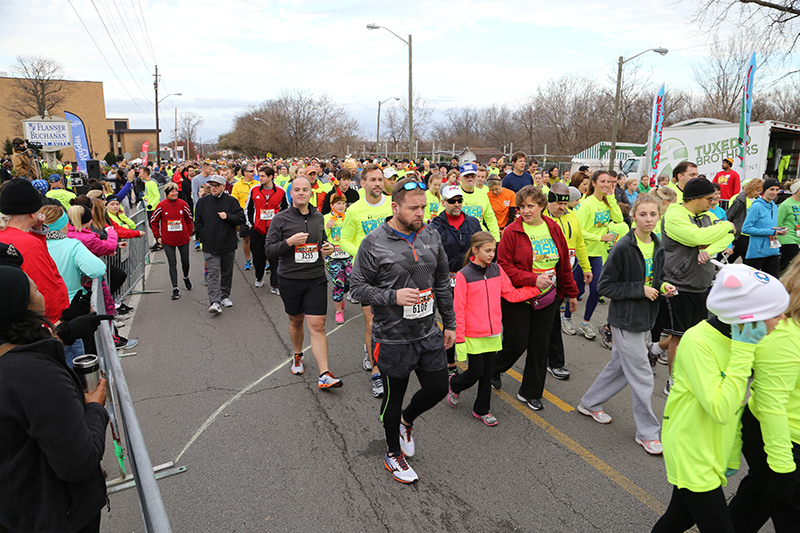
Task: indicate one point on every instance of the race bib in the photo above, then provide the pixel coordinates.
(338, 253)
(572, 258)
(306, 253)
(452, 280)
(267, 214)
(422, 308)
(797, 230)
(174, 225)
(774, 242)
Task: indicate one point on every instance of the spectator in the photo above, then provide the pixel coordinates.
(764, 249)
(737, 212)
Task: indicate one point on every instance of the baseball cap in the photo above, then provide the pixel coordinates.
(53, 178)
(743, 294)
(216, 178)
(728, 160)
(389, 173)
(795, 187)
(451, 191)
(468, 168)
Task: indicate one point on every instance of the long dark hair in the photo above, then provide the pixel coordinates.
(27, 328)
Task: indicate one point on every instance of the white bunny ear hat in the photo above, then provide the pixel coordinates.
(743, 294)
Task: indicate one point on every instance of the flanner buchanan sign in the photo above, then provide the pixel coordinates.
(52, 133)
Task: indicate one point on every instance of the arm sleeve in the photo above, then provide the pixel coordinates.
(754, 223)
(187, 216)
(89, 264)
(580, 249)
(460, 306)
(616, 212)
(249, 210)
(513, 294)
(274, 244)
(198, 223)
(349, 229)
(490, 219)
(123, 192)
(155, 221)
(364, 280)
(610, 284)
(441, 287)
(679, 228)
(586, 220)
(236, 216)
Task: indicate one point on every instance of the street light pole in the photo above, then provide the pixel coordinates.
(410, 88)
(378, 136)
(158, 139)
(622, 61)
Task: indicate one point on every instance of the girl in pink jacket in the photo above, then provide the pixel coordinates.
(479, 287)
(80, 222)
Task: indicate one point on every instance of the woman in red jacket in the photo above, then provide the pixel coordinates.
(173, 226)
(534, 253)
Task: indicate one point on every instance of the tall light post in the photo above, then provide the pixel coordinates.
(378, 136)
(158, 139)
(612, 157)
(410, 89)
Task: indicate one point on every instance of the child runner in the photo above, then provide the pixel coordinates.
(339, 264)
(631, 278)
(479, 286)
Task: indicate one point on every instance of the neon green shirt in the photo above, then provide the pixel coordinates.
(704, 407)
(363, 217)
(151, 194)
(594, 216)
(572, 232)
(789, 218)
(647, 253)
(477, 204)
(433, 207)
(545, 253)
(674, 186)
(62, 195)
(282, 181)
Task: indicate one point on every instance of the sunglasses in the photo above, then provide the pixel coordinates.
(411, 185)
(455, 201)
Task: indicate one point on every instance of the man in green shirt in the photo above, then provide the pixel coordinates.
(58, 192)
(152, 197)
(789, 218)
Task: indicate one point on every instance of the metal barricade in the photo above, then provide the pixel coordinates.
(154, 513)
(133, 258)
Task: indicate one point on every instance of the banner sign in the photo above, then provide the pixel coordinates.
(79, 142)
(747, 109)
(53, 134)
(145, 148)
(656, 132)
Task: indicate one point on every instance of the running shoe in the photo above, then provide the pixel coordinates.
(248, 264)
(668, 386)
(600, 416)
(123, 309)
(497, 383)
(367, 363)
(587, 330)
(297, 364)
(401, 471)
(339, 317)
(601, 300)
(407, 441)
(259, 283)
(215, 308)
(652, 357)
(377, 385)
(205, 278)
(175, 293)
(197, 247)
(187, 283)
(488, 419)
(453, 371)
(226, 302)
(605, 336)
(653, 447)
(275, 290)
(351, 299)
(533, 403)
(329, 381)
(567, 326)
(663, 358)
(559, 372)
(452, 397)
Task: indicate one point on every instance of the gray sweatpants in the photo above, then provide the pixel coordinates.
(220, 275)
(629, 365)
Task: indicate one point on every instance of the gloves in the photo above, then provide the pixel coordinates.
(80, 305)
(461, 351)
(83, 326)
(780, 487)
(751, 332)
(730, 472)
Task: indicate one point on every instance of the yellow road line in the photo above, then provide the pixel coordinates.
(552, 398)
(629, 486)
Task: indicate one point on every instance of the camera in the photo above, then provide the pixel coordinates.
(33, 146)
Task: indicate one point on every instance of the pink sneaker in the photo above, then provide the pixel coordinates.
(339, 317)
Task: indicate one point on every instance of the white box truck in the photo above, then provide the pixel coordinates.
(707, 142)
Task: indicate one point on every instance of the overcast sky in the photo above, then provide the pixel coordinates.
(226, 55)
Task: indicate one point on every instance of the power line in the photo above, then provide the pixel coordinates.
(107, 62)
(117, 31)
(113, 42)
(128, 30)
(147, 33)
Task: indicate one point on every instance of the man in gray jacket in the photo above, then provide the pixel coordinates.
(401, 270)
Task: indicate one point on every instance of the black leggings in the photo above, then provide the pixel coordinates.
(771, 265)
(173, 262)
(480, 372)
(686, 508)
(257, 248)
(433, 388)
(116, 277)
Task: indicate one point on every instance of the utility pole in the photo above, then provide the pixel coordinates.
(158, 146)
(410, 105)
(176, 135)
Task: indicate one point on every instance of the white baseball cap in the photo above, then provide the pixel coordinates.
(451, 191)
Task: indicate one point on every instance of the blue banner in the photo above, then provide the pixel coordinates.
(744, 118)
(79, 142)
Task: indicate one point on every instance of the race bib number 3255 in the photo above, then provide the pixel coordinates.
(306, 253)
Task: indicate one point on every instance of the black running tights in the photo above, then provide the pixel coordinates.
(433, 388)
(708, 510)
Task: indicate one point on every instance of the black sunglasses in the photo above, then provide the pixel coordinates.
(455, 201)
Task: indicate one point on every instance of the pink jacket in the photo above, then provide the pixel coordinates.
(93, 242)
(477, 300)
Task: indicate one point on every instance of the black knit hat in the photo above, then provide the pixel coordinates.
(10, 256)
(771, 182)
(15, 288)
(19, 197)
(697, 188)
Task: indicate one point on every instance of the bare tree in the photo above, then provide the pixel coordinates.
(395, 123)
(188, 124)
(38, 86)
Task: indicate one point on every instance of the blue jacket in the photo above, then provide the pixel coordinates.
(456, 241)
(762, 217)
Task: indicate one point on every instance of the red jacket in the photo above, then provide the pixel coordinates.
(260, 202)
(37, 263)
(477, 300)
(172, 222)
(124, 232)
(515, 255)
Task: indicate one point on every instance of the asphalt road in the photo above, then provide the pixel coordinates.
(284, 456)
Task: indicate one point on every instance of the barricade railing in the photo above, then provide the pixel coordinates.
(154, 513)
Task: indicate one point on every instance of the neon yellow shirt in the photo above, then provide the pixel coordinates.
(433, 207)
(477, 204)
(594, 217)
(647, 253)
(282, 181)
(151, 194)
(363, 217)
(241, 190)
(572, 232)
(545, 253)
(674, 186)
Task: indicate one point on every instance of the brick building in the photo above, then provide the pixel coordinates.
(85, 99)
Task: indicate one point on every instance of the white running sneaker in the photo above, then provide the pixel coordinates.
(297, 364)
(215, 308)
(653, 447)
(259, 283)
(599, 416)
(401, 471)
(367, 362)
(567, 326)
(407, 441)
(226, 302)
(275, 290)
(587, 330)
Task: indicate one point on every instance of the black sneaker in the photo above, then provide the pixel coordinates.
(533, 403)
(497, 383)
(559, 372)
(605, 336)
(188, 283)
(124, 309)
(175, 293)
(453, 371)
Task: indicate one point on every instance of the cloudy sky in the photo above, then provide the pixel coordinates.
(226, 55)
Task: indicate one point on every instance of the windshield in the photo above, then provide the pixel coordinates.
(631, 165)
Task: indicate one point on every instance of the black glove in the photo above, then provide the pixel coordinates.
(80, 327)
(780, 487)
(81, 304)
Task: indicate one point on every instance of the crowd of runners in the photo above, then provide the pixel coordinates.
(459, 270)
